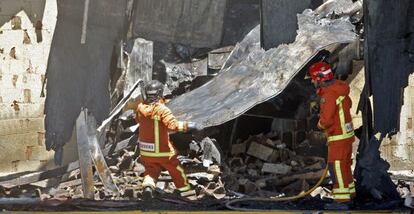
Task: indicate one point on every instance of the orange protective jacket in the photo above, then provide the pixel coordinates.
(156, 120)
(330, 119)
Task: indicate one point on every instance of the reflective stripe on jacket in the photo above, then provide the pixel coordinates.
(347, 128)
(156, 120)
(335, 116)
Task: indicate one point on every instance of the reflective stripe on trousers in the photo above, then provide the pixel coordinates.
(342, 192)
(345, 134)
(187, 186)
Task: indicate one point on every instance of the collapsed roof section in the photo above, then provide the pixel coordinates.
(262, 74)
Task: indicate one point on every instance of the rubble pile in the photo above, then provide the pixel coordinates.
(264, 166)
(127, 172)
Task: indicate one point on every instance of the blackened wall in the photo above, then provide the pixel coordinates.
(240, 18)
(389, 28)
(279, 20)
(78, 74)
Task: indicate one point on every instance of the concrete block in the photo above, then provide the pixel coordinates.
(317, 165)
(259, 151)
(239, 148)
(281, 169)
(252, 172)
(247, 186)
(236, 162)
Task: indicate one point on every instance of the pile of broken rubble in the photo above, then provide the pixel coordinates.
(260, 166)
(264, 166)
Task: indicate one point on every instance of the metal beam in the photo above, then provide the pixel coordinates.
(85, 161)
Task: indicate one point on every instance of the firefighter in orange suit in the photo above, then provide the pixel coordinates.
(335, 120)
(156, 150)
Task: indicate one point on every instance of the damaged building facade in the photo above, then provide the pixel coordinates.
(225, 66)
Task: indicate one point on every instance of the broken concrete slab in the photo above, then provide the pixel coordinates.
(281, 168)
(259, 151)
(247, 186)
(252, 172)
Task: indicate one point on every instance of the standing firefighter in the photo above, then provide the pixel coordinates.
(335, 120)
(156, 149)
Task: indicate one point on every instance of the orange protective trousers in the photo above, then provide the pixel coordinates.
(154, 166)
(339, 165)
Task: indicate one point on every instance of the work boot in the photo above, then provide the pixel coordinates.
(147, 194)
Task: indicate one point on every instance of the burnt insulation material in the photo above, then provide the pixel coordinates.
(279, 20)
(78, 74)
(198, 23)
(387, 60)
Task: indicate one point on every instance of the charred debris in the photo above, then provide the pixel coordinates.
(267, 148)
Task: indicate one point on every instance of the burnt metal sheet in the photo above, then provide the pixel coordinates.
(78, 74)
(85, 160)
(262, 75)
(96, 153)
(250, 44)
(198, 23)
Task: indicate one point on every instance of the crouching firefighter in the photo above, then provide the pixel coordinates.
(156, 150)
(335, 120)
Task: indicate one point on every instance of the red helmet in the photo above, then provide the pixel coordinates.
(321, 71)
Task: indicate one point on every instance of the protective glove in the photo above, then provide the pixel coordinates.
(193, 126)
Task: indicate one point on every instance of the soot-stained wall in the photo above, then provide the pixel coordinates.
(78, 74)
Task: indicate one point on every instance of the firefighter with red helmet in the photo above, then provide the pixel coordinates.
(157, 151)
(336, 121)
